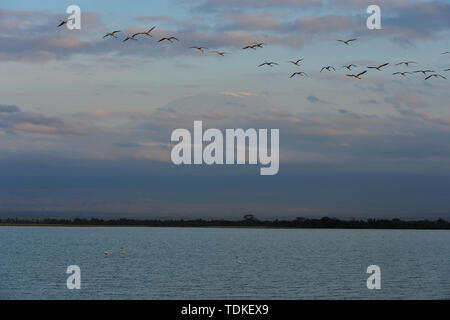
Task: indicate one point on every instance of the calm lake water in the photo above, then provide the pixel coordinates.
(190, 263)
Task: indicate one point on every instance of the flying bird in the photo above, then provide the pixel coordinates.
(131, 37)
(296, 62)
(423, 71)
(379, 67)
(170, 39)
(447, 52)
(435, 75)
(328, 68)
(300, 73)
(252, 46)
(259, 44)
(111, 34)
(221, 53)
(349, 67)
(201, 49)
(406, 63)
(148, 32)
(356, 76)
(270, 64)
(63, 22)
(347, 41)
(401, 73)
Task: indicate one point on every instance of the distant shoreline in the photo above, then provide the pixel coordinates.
(248, 222)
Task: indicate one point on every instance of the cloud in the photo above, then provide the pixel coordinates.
(9, 108)
(14, 120)
(234, 5)
(33, 36)
(370, 101)
(314, 99)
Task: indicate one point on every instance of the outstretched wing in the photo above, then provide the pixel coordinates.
(360, 74)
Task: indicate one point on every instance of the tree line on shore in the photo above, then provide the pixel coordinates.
(247, 221)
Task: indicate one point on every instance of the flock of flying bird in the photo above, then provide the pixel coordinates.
(426, 72)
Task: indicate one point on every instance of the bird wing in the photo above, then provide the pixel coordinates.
(62, 22)
(428, 77)
(383, 65)
(359, 74)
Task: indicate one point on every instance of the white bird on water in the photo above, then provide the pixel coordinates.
(238, 261)
(122, 253)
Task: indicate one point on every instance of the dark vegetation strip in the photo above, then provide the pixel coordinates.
(248, 221)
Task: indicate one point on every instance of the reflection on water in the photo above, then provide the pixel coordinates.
(209, 263)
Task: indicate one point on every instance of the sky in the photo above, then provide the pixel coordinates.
(85, 121)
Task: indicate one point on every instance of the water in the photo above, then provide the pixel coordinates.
(194, 263)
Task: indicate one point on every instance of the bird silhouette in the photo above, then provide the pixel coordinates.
(436, 75)
(201, 49)
(300, 73)
(356, 76)
(148, 32)
(132, 37)
(170, 39)
(221, 53)
(63, 22)
(349, 67)
(296, 62)
(111, 34)
(379, 67)
(423, 71)
(406, 63)
(328, 68)
(401, 73)
(347, 41)
(270, 64)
